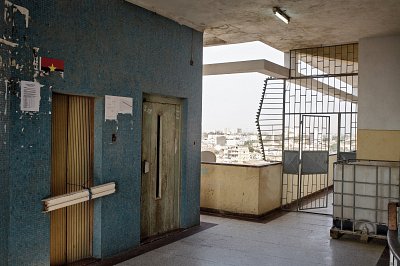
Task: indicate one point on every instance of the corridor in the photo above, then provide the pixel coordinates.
(294, 238)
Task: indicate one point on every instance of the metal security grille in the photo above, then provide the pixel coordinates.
(269, 119)
(314, 152)
(323, 82)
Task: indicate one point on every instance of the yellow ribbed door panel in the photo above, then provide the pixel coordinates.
(72, 159)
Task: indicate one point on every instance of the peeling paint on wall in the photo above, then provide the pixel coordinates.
(5, 97)
(108, 72)
(24, 11)
(36, 62)
(12, 44)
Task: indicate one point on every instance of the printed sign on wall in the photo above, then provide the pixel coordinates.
(115, 105)
(30, 96)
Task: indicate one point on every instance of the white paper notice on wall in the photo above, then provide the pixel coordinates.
(115, 105)
(30, 96)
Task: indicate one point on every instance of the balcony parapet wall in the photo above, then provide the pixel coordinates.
(249, 190)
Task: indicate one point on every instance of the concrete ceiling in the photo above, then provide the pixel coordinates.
(313, 22)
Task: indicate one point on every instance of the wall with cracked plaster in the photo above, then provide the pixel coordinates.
(109, 47)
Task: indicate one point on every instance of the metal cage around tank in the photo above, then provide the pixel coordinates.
(363, 189)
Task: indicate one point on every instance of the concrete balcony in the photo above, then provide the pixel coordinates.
(248, 190)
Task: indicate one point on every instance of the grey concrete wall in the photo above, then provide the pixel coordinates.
(379, 83)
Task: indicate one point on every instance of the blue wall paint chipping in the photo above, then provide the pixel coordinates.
(4, 150)
(4, 173)
(29, 183)
(110, 47)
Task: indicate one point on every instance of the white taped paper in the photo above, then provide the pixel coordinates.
(30, 96)
(115, 105)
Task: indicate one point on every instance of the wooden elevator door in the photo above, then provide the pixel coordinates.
(161, 177)
(72, 163)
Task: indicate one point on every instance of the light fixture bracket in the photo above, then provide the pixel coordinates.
(281, 14)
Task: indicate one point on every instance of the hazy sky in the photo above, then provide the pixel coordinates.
(231, 101)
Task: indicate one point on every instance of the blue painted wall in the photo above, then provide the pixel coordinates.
(110, 47)
(4, 149)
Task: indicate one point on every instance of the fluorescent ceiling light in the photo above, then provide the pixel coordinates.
(281, 15)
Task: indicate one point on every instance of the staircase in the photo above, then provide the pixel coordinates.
(269, 119)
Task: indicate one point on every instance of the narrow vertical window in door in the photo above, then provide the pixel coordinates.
(159, 157)
(160, 186)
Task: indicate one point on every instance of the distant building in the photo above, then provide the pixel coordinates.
(231, 142)
(238, 154)
(221, 140)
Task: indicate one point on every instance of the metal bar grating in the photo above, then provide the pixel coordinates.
(314, 166)
(323, 81)
(269, 119)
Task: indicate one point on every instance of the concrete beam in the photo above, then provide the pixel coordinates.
(323, 88)
(261, 66)
(329, 65)
(273, 70)
(347, 52)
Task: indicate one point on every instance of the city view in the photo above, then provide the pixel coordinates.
(233, 146)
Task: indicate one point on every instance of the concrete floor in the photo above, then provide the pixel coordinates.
(296, 238)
